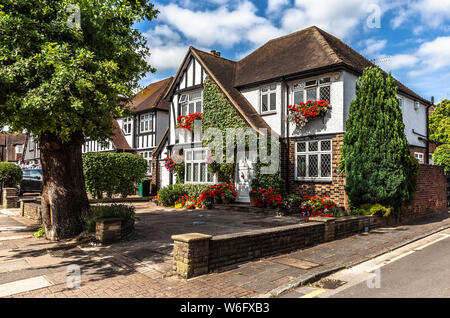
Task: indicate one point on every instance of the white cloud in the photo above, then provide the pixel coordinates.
(274, 6)
(396, 62)
(337, 17)
(432, 13)
(435, 55)
(373, 46)
(223, 26)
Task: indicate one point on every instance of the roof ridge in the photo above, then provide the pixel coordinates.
(219, 57)
(325, 44)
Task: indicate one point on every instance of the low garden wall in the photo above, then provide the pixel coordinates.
(112, 230)
(197, 254)
(431, 194)
(31, 209)
(9, 198)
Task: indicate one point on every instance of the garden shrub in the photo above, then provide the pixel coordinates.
(265, 181)
(169, 195)
(113, 173)
(10, 174)
(376, 157)
(372, 209)
(127, 212)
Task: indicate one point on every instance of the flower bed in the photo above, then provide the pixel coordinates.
(269, 197)
(301, 113)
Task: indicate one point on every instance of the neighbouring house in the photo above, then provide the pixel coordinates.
(138, 134)
(11, 146)
(310, 64)
(150, 120)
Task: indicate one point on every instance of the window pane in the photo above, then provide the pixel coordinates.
(210, 176)
(264, 107)
(325, 166)
(194, 96)
(313, 146)
(184, 109)
(198, 155)
(311, 83)
(325, 145)
(273, 101)
(272, 88)
(311, 94)
(188, 171)
(325, 93)
(202, 172)
(265, 90)
(301, 147)
(325, 80)
(191, 108)
(196, 170)
(313, 166)
(301, 166)
(298, 97)
(198, 107)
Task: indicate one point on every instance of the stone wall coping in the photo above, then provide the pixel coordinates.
(322, 219)
(191, 237)
(264, 231)
(108, 220)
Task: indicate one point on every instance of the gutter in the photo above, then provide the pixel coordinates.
(286, 130)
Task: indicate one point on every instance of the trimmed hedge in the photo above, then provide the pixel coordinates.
(113, 173)
(169, 195)
(10, 174)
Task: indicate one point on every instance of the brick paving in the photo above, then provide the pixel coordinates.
(142, 267)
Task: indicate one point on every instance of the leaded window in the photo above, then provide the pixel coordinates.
(313, 160)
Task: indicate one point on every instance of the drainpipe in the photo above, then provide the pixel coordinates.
(428, 130)
(287, 140)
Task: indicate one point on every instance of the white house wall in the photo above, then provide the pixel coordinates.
(128, 137)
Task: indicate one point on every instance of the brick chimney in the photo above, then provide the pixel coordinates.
(214, 52)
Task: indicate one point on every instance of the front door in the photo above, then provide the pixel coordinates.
(244, 175)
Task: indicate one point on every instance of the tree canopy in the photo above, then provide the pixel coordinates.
(440, 132)
(62, 78)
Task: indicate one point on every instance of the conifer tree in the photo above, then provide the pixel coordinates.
(376, 156)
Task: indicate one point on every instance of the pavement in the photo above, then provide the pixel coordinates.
(142, 267)
(418, 270)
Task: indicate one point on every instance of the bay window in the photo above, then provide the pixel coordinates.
(313, 160)
(196, 169)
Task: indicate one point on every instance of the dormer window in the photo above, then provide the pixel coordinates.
(146, 123)
(268, 99)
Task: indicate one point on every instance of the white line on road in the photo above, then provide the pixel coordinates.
(444, 236)
(24, 285)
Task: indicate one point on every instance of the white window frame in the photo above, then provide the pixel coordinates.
(420, 156)
(147, 155)
(268, 91)
(307, 154)
(189, 159)
(302, 87)
(188, 100)
(127, 126)
(143, 120)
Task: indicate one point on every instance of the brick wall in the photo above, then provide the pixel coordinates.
(334, 189)
(196, 254)
(156, 176)
(31, 210)
(431, 195)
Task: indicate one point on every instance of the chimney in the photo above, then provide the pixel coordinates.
(215, 53)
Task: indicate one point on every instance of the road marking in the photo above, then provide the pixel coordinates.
(24, 285)
(314, 293)
(16, 237)
(445, 236)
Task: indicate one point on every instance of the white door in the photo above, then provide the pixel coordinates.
(244, 175)
(165, 175)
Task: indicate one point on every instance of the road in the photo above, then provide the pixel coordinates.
(421, 269)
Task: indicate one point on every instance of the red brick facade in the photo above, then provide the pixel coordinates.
(333, 189)
(431, 195)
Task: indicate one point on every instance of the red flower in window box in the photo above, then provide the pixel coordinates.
(300, 114)
(187, 121)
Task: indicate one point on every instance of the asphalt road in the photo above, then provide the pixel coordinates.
(424, 273)
(418, 270)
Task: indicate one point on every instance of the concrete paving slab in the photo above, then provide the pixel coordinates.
(24, 285)
(294, 262)
(11, 266)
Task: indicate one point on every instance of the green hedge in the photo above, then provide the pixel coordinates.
(170, 194)
(113, 173)
(10, 174)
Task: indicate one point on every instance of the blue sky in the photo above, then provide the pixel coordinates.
(411, 40)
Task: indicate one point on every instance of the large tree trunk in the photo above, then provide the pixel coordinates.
(64, 198)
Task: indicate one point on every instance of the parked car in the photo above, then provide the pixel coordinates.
(31, 182)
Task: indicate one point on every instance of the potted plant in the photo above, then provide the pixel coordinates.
(229, 193)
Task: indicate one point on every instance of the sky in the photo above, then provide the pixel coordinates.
(409, 38)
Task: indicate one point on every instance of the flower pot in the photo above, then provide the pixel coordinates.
(225, 200)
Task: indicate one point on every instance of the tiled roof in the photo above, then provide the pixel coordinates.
(151, 97)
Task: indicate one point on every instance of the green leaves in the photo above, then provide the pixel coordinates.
(442, 157)
(375, 154)
(10, 174)
(60, 79)
(440, 122)
(113, 173)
